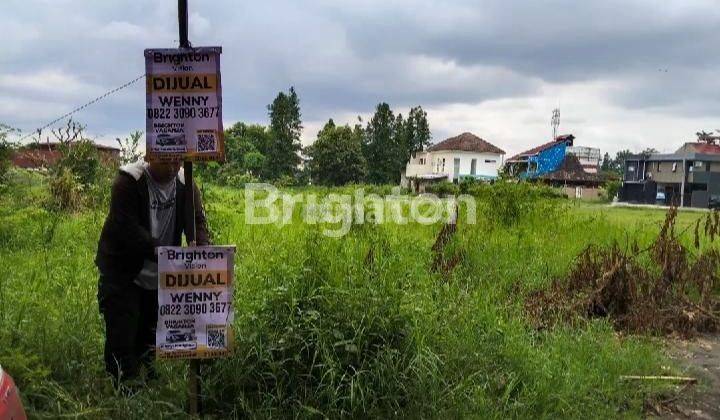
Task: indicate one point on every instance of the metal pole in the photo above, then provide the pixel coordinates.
(183, 23)
(194, 402)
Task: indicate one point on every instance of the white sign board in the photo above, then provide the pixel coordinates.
(195, 296)
(183, 104)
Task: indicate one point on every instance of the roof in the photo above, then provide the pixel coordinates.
(466, 142)
(566, 138)
(570, 170)
(705, 148)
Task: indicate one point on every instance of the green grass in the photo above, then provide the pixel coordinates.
(323, 332)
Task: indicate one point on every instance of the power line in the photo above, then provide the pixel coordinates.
(80, 108)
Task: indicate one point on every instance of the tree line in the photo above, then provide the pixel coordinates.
(376, 152)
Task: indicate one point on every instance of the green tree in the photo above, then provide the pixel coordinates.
(130, 147)
(244, 146)
(606, 162)
(6, 150)
(379, 147)
(285, 128)
(618, 164)
(416, 131)
(337, 157)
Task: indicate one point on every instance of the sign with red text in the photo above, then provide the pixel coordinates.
(195, 295)
(184, 104)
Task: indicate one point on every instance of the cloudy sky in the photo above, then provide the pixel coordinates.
(625, 73)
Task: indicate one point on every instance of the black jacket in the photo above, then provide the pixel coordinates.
(125, 240)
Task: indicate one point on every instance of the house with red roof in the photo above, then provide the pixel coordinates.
(465, 156)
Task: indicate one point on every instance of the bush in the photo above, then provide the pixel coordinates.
(66, 191)
(81, 159)
(610, 190)
(443, 188)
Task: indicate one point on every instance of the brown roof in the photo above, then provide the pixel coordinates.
(705, 148)
(466, 142)
(567, 138)
(572, 171)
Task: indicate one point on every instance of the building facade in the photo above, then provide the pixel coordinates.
(454, 159)
(690, 177)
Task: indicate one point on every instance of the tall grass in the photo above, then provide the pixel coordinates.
(358, 326)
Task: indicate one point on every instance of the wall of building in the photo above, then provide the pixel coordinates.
(487, 164)
(582, 193)
(664, 172)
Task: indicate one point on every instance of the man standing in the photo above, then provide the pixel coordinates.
(147, 210)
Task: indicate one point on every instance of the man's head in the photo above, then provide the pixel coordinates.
(164, 172)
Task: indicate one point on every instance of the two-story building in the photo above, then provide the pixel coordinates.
(453, 159)
(688, 177)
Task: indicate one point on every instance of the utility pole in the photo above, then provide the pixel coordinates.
(194, 397)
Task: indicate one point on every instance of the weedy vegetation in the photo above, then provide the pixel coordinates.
(390, 320)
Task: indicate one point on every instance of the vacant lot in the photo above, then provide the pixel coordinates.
(373, 323)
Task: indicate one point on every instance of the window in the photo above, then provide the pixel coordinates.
(674, 168)
(443, 165)
(490, 161)
(473, 164)
(658, 167)
(422, 161)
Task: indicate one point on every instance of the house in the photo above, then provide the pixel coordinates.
(460, 157)
(45, 154)
(561, 164)
(688, 177)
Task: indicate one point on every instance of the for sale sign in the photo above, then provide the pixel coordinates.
(195, 294)
(184, 104)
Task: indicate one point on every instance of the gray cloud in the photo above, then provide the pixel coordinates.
(345, 57)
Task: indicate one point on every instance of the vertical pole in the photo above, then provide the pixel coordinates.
(194, 404)
(682, 186)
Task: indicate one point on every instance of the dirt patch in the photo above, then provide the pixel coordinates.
(673, 295)
(699, 358)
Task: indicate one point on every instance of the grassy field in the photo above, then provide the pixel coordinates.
(357, 326)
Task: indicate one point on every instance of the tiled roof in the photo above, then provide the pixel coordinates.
(466, 142)
(705, 148)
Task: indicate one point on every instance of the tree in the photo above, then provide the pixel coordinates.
(129, 147)
(379, 150)
(606, 162)
(6, 150)
(618, 164)
(416, 131)
(285, 130)
(244, 146)
(337, 157)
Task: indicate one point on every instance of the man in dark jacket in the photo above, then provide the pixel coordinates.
(147, 210)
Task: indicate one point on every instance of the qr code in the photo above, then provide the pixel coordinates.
(206, 142)
(216, 338)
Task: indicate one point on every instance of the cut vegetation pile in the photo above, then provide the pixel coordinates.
(672, 294)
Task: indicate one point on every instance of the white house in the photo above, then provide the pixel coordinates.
(463, 156)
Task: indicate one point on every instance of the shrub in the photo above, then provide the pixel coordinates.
(65, 191)
(610, 190)
(443, 188)
(81, 159)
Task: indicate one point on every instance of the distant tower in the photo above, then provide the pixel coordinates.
(555, 122)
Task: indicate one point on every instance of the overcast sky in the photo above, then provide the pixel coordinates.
(625, 73)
